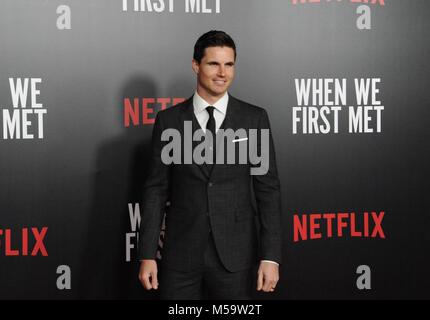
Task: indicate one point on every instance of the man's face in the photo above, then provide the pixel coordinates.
(215, 72)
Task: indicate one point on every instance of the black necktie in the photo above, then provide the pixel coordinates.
(210, 126)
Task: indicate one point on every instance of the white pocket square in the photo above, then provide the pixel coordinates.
(238, 140)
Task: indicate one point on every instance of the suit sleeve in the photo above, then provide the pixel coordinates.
(155, 194)
(267, 194)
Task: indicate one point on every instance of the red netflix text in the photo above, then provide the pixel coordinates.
(29, 241)
(327, 225)
(142, 111)
(380, 2)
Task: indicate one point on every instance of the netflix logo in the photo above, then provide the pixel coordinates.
(25, 242)
(376, 2)
(344, 224)
(363, 11)
(142, 111)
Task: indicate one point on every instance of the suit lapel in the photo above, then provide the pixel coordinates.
(231, 121)
(188, 115)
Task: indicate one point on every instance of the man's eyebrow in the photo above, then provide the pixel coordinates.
(215, 62)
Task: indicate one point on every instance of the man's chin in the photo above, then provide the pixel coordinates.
(219, 92)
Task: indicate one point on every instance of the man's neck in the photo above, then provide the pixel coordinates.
(208, 97)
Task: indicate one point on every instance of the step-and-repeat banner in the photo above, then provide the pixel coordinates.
(345, 84)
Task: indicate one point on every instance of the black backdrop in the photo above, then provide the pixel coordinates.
(76, 183)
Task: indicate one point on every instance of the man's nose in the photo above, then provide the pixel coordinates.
(221, 71)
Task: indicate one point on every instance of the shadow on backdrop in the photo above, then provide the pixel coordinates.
(119, 172)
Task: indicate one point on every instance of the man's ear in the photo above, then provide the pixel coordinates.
(195, 65)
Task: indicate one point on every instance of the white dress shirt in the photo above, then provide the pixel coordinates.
(219, 114)
(203, 116)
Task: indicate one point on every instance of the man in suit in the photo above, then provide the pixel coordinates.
(222, 221)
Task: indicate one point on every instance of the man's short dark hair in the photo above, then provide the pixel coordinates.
(213, 38)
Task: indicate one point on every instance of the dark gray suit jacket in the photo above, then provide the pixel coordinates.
(242, 211)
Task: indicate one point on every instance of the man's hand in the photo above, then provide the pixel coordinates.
(268, 276)
(148, 274)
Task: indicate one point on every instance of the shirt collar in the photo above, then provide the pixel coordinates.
(200, 104)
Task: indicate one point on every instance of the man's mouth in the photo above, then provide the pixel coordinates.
(220, 82)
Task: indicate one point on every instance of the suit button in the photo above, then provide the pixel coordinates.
(210, 184)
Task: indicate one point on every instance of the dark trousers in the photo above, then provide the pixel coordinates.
(210, 281)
